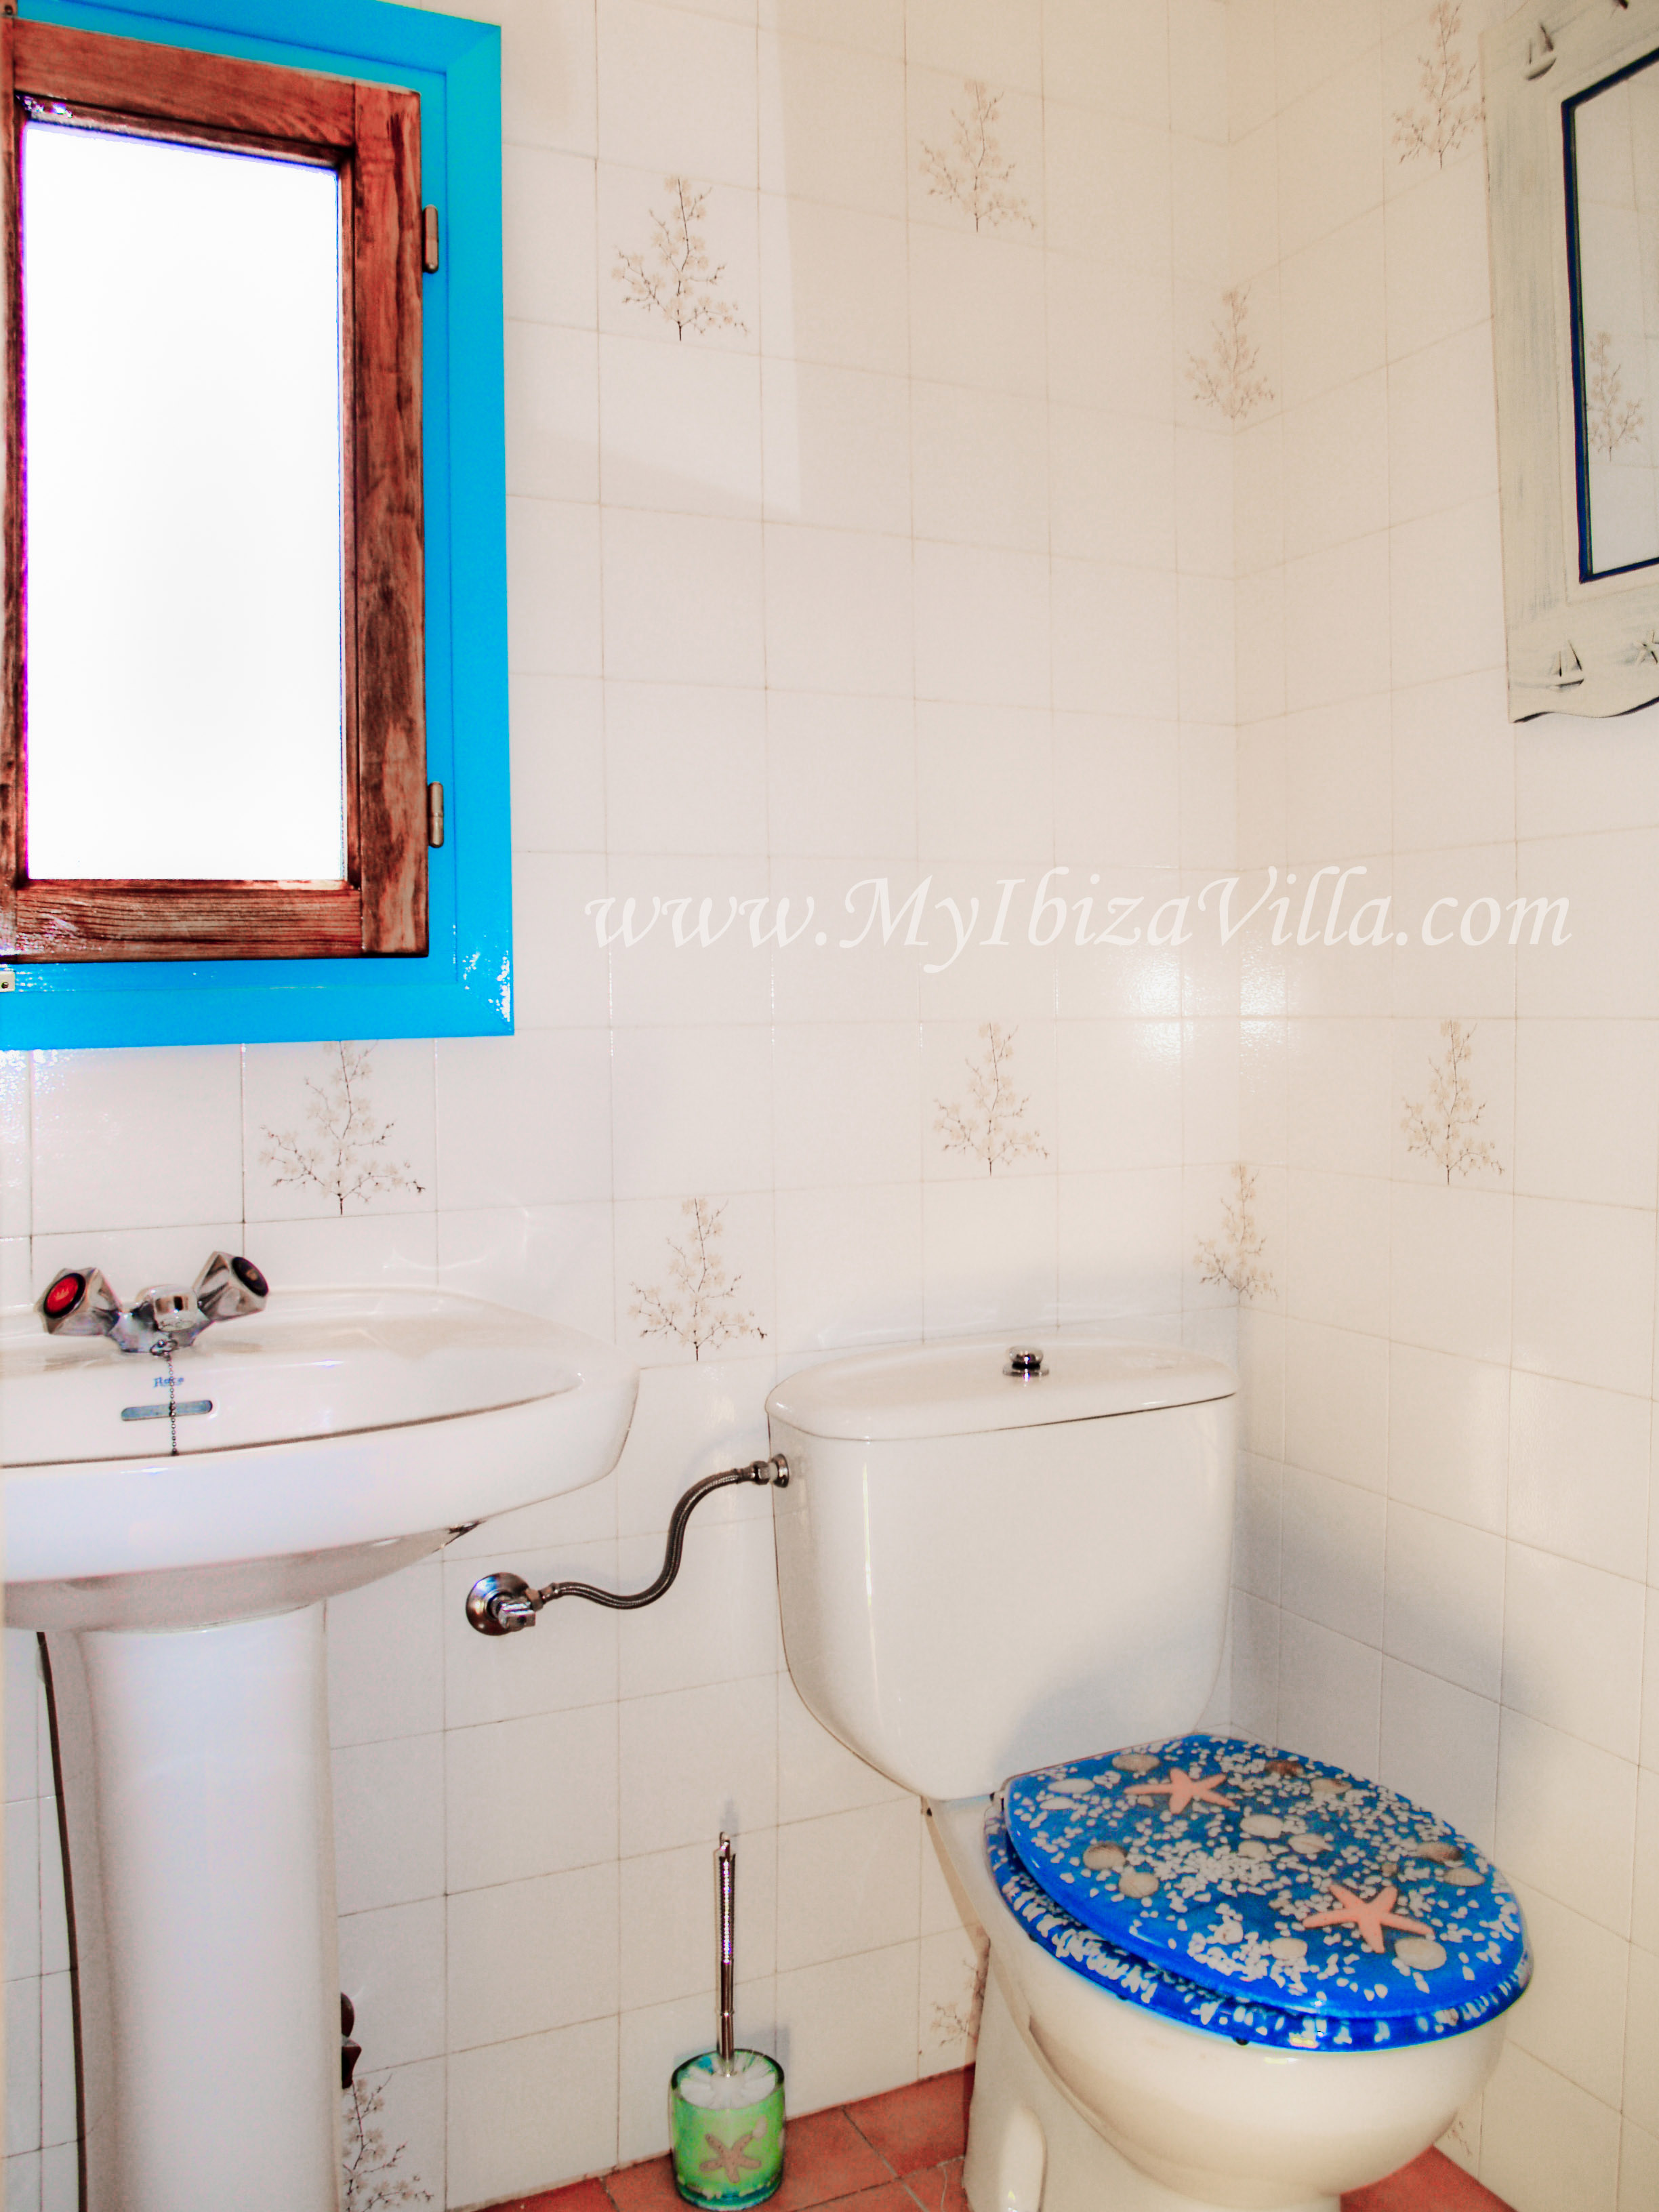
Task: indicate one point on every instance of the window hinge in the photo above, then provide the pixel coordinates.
(434, 815)
(430, 241)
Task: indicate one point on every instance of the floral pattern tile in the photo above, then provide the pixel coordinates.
(970, 170)
(338, 1130)
(674, 277)
(1444, 1124)
(1445, 109)
(1236, 1256)
(694, 1277)
(987, 1119)
(1228, 377)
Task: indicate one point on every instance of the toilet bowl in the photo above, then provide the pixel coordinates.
(1188, 2096)
(1111, 2112)
(994, 1566)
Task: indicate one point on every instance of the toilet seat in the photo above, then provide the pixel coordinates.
(1252, 1893)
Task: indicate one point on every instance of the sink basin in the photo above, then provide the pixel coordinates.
(171, 1534)
(315, 1446)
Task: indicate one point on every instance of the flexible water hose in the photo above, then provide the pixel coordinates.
(501, 1604)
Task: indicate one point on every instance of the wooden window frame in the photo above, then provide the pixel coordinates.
(370, 134)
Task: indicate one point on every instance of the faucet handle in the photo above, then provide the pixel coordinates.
(228, 1286)
(79, 1301)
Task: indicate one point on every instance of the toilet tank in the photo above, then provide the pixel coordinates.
(980, 1572)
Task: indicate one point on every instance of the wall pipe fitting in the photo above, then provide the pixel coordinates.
(501, 1604)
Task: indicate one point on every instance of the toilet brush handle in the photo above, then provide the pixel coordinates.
(725, 1875)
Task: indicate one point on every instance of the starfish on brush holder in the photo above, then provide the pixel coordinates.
(1367, 1916)
(1183, 1789)
(733, 2162)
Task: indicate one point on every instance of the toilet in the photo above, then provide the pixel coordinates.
(1221, 1971)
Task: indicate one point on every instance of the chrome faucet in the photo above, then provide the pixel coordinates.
(81, 1302)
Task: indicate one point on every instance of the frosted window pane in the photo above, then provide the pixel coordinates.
(184, 663)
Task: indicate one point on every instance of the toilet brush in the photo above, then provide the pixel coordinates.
(725, 2105)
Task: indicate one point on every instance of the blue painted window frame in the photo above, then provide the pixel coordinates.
(463, 986)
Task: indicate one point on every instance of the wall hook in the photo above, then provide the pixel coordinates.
(1540, 54)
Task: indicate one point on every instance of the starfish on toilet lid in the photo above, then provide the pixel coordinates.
(1368, 1916)
(1183, 1789)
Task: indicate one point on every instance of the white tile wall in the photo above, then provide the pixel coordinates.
(929, 564)
(918, 564)
(1481, 1348)
(40, 2165)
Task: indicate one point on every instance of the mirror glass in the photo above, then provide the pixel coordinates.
(1612, 208)
(184, 635)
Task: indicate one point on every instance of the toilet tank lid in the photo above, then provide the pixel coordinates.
(963, 1388)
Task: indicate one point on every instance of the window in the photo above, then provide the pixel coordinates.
(184, 523)
(215, 722)
(255, 603)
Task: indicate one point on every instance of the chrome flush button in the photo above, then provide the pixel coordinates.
(1024, 1360)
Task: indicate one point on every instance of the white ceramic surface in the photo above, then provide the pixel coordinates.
(959, 1606)
(1199, 2119)
(351, 1432)
(962, 1389)
(969, 1605)
(200, 1856)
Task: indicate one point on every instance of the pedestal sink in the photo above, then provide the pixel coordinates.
(176, 1565)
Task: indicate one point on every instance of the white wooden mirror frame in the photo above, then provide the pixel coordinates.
(1575, 647)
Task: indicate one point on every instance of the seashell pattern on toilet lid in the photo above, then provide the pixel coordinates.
(1262, 1875)
(1137, 1981)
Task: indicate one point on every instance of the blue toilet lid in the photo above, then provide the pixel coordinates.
(1305, 1891)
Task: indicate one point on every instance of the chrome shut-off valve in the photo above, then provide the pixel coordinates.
(82, 1302)
(496, 1605)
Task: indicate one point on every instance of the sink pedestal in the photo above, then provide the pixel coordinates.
(194, 1772)
(340, 1435)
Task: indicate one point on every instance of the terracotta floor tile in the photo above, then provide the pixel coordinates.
(922, 2125)
(1429, 2184)
(646, 2187)
(578, 2197)
(889, 2197)
(846, 2159)
(824, 2157)
(939, 2188)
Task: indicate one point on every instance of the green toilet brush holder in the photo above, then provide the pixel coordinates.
(725, 2105)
